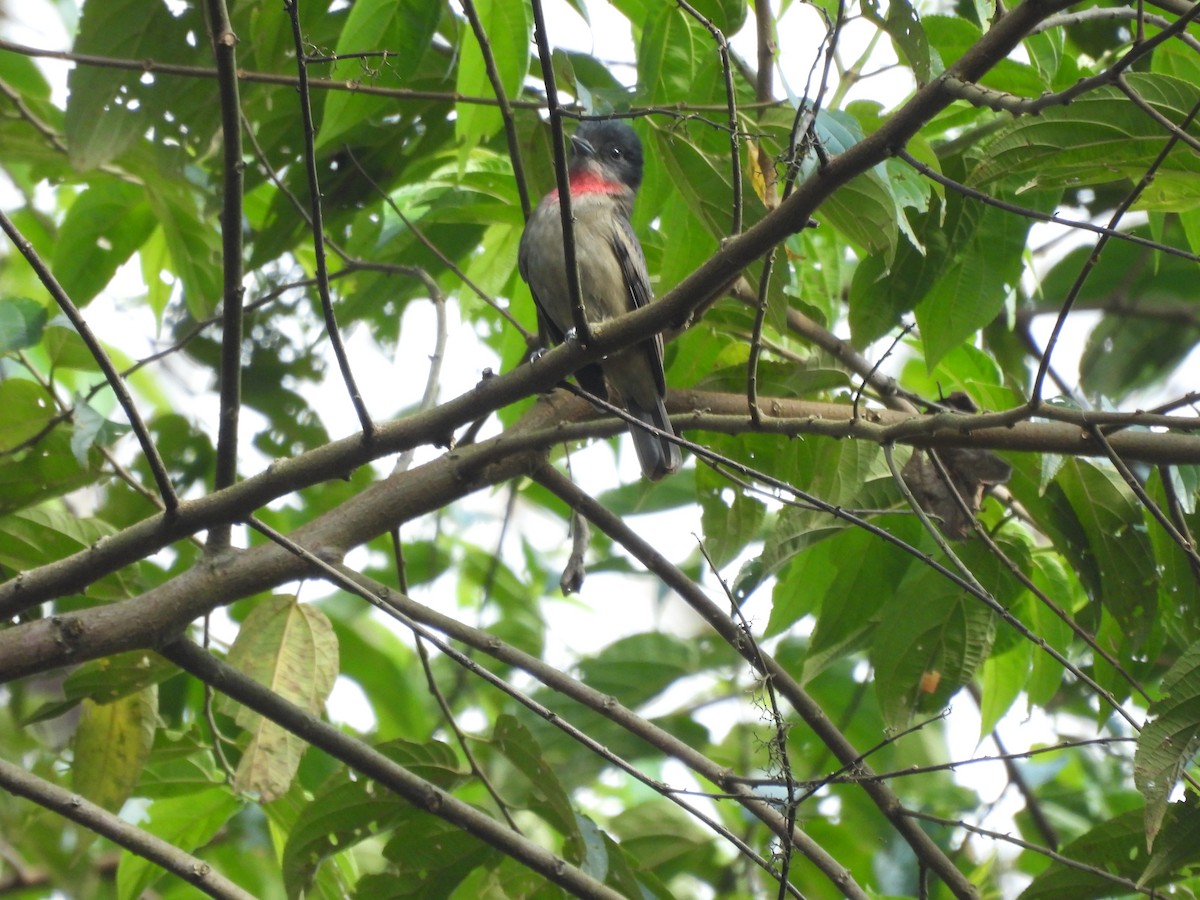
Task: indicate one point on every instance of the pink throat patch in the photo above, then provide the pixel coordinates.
(589, 183)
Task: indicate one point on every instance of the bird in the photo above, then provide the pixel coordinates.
(605, 173)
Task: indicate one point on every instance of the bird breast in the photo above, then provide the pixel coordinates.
(601, 280)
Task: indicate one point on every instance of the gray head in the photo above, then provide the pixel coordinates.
(611, 144)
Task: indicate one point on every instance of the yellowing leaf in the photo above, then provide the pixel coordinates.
(290, 648)
(111, 746)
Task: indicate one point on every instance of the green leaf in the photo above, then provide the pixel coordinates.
(290, 648)
(382, 664)
(404, 30)
(112, 742)
(188, 822)
(27, 411)
(508, 28)
(1118, 848)
(1100, 138)
(1176, 855)
(33, 537)
(1117, 546)
(35, 475)
(64, 347)
(1129, 353)
(1054, 580)
(670, 45)
(547, 797)
(1004, 677)
(700, 179)
(1170, 740)
(180, 763)
(952, 36)
(865, 210)
(1126, 351)
(908, 37)
(348, 810)
(103, 228)
(115, 677)
(845, 626)
(659, 836)
(638, 667)
(972, 291)
(930, 642)
(430, 857)
(22, 322)
(727, 15)
(92, 429)
(729, 524)
(108, 109)
(194, 243)
(850, 474)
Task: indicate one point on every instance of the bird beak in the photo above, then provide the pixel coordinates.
(582, 147)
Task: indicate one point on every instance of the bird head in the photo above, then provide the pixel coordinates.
(608, 149)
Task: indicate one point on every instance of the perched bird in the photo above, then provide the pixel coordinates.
(605, 173)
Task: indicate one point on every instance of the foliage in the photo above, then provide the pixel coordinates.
(838, 658)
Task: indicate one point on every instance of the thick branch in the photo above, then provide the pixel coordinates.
(457, 474)
(194, 871)
(374, 764)
(225, 49)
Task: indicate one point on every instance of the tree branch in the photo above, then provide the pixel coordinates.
(420, 793)
(224, 43)
(467, 469)
(809, 710)
(316, 218)
(95, 818)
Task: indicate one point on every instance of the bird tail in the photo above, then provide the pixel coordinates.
(657, 455)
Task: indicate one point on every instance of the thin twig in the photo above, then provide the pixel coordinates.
(981, 593)
(1037, 216)
(343, 579)
(735, 155)
(1000, 101)
(578, 313)
(510, 125)
(1184, 544)
(1035, 399)
(163, 481)
(292, 8)
(152, 66)
(810, 711)
(848, 776)
(1033, 806)
(778, 743)
(461, 739)
(1027, 845)
(436, 251)
(756, 336)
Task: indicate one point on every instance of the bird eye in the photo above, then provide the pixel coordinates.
(615, 152)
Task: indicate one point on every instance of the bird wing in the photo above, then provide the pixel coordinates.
(544, 230)
(633, 267)
(545, 323)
